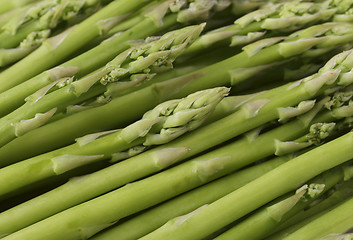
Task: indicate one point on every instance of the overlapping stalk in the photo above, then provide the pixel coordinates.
(164, 123)
(205, 221)
(130, 68)
(66, 43)
(255, 57)
(210, 166)
(7, 6)
(269, 217)
(160, 18)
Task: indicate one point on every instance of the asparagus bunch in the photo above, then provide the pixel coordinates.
(161, 17)
(217, 163)
(255, 57)
(162, 124)
(133, 66)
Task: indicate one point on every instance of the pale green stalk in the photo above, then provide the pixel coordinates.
(267, 218)
(159, 19)
(66, 43)
(146, 222)
(335, 222)
(130, 68)
(342, 193)
(209, 219)
(249, 116)
(164, 123)
(6, 5)
(253, 59)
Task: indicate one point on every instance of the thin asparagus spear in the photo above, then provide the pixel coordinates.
(150, 220)
(156, 21)
(258, 192)
(64, 44)
(128, 69)
(337, 221)
(267, 218)
(158, 158)
(231, 71)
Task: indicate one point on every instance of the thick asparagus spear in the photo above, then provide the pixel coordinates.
(231, 71)
(337, 221)
(267, 218)
(258, 192)
(202, 139)
(167, 121)
(64, 44)
(130, 68)
(160, 18)
(146, 222)
(341, 193)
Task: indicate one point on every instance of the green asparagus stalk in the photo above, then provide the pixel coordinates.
(130, 68)
(158, 158)
(253, 59)
(146, 222)
(129, 199)
(159, 19)
(6, 6)
(258, 192)
(341, 193)
(64, 44)
(267, 218)
(164, 123)
(337, 221)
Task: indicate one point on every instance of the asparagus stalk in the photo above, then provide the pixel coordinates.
(267, 218)
(158, 158)
(129, 199)
(337, 221)
(257, 193)
(164, 123)
(64, 44)
(160, 18)
(231, 71)
(6, 6)
(130, 68)
(146, 222)
(341, 193)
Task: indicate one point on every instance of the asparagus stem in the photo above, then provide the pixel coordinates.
(66, 43)
(243, 65)
(342, 193)
(6, 6)
(259, 192)
(150, 220)
(271, 216)
(336, 221)
(202, 139)
(140, 62)
(158, 126)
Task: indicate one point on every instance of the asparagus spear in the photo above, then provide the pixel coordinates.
(64, 44)
(341, 194)
(130, 68)
(161, 157)
(148, 221)
(337, 221)
(231, 71)
(267, 218)
(129, 199)
(167, 121)
(6, 6)
(160, 18)
(257, 193)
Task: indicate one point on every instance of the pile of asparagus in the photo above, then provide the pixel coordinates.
(176, 119)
